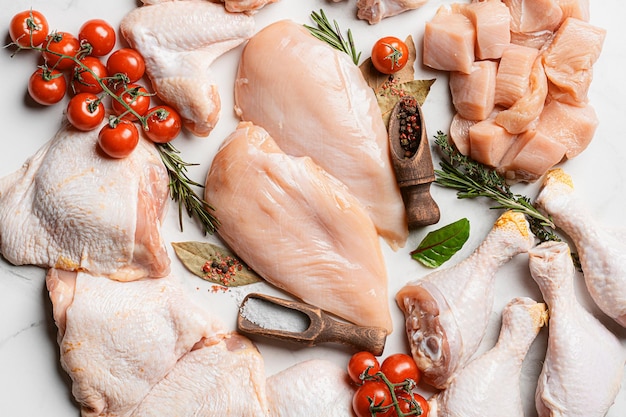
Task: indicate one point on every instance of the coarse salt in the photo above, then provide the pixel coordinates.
(275, 317)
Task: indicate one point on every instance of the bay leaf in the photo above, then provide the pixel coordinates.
(440, 245)
(214, 263)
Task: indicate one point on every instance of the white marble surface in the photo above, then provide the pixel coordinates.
(31, 381)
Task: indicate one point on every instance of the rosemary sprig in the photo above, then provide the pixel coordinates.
(472, 179)
(331, 34)
(181, 191)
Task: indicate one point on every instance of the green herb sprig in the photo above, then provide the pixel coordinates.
(472, 179)
(331, 34)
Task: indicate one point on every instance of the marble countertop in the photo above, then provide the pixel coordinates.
(31, 379)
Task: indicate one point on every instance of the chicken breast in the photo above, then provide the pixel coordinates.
(322, 108)
(449, 39)
(70, 207)
(178, 60)
(529, 16)
(298, 227)
(118, 340)
(473, 94)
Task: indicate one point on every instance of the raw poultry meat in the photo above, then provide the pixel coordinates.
(376, 10)
(118, 339)
(298, 227)
(178, 60)
(601, 251)
(489, 386)
(234, 6)
(314, 387)
(222, 379)
(87, 212)
(322, 108)
(580, 348)
(447, 311)
(529, 16)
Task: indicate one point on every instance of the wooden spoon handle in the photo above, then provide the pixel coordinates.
(422, 210)
(362, 338)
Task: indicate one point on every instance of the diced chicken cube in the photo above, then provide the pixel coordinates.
(575, 8)
(473, 94)
(492, 22)
(534, 15)
(572, 126)
(449, 41)
(459, 133)
(489, 142)
(513, 74)
(569, 59)
(532, 155)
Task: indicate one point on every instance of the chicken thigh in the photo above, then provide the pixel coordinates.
(489, 386)
(314, 387)
(447, 311)
(118, 339)
(298, 227)
(70, 207)
(584, 364)
(178, 59)
(322, 108)
(376, 10)
(602, 253)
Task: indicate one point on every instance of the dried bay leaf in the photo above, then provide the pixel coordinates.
(440, 245)
(388, 97)
(214, 263)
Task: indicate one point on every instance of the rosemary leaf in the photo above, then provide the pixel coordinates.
(472, 179)
(331, 34)
(182, 192)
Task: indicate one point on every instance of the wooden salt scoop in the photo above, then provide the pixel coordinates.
(322, 328)
(414, 174)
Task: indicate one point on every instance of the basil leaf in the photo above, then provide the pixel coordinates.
(439, 245)
(215, 264)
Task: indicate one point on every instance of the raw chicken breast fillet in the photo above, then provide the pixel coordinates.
(230, 5)
(322, 107)
(447, 312)
(298, 227)
(119, 339)
(70, 207)
(179, 41)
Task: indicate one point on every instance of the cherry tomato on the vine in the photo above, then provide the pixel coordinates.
(407, 405)
(126, 61)
(85, 111)
(47, 86)
(389, 55)
(118, 140)
(399, 367)
(99, 34)
(369, 395)
(162, 124)
(136, 97)
(29, 27)
(359, 363)
(60, 43)
(84, 81)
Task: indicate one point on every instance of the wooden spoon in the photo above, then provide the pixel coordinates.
(415, 173)
(316, 326)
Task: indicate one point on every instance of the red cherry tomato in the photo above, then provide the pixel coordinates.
(408, 406)
(28, 28)
(60, 43)
(126, 61)
(47, 86)
(163, 124)
(389, 55)
(370, 396)
(99, 35)
(85, 111)
(136, 97)
(118, 140)
(361, 362)
(84, 81)
(399, 367)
